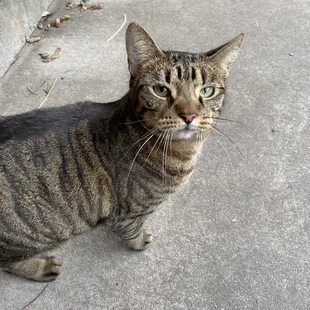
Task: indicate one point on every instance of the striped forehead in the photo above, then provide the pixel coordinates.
(183, 68)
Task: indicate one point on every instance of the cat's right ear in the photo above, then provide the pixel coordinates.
(140, 48)
(226, 54)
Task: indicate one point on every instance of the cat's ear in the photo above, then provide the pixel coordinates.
(226, 54)
(140, 47)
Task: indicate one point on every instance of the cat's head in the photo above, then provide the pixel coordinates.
(176, 92)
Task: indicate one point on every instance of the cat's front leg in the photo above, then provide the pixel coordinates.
(141, 241)
(131, 231)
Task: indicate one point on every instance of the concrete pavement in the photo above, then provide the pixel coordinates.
(237, 236)
(18, 20)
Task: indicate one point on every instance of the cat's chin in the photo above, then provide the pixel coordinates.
(184, 134)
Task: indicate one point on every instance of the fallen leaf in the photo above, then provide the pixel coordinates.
(65, 17)
(47, 57)
(56, 22)
(32, 39)
(85, 7)
(96, 6)
(44, 55)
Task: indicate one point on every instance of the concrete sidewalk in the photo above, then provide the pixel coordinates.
(18, 20)
(237, 236)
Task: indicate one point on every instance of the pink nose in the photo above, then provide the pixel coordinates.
(188, 118)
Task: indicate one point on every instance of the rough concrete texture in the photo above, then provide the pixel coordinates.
(201, 258)
(18, 19)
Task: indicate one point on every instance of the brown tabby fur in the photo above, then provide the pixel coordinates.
(65, 170)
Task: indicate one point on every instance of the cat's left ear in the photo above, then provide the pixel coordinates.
(226, 54)
(140, 48)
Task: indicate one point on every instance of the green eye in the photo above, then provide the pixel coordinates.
(161, 91)
(207, 92)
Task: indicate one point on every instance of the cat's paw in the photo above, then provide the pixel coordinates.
(142, 241)
(36, 268)
(50, 271)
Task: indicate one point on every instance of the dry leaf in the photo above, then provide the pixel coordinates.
(56, 22)
(65, 17)
(85, 7)
(96, 7)
(47, 57)
(44, 55)
(32, 39)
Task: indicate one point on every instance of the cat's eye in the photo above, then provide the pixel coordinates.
(207, 92)
(161, 91)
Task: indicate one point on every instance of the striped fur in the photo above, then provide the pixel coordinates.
(65, 170)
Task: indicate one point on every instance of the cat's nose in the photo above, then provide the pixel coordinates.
(188, 118)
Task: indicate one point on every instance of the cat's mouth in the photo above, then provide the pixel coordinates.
(186, 132)
(178, 131)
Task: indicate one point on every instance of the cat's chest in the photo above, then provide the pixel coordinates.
(159, 178)
(147, 175)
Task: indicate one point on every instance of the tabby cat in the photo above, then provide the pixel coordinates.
(65, 170)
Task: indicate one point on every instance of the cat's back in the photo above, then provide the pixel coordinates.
(38, 123)
(39, 142)
(36, 141)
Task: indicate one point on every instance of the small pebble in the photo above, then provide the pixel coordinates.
(291, 54)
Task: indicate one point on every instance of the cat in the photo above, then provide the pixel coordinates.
(65, 170)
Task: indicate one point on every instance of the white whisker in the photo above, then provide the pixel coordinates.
(131, 166)
(170, 142)
(160, 136)
(145, 136)
(229, 159)
(229, 139)
(164, 150)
